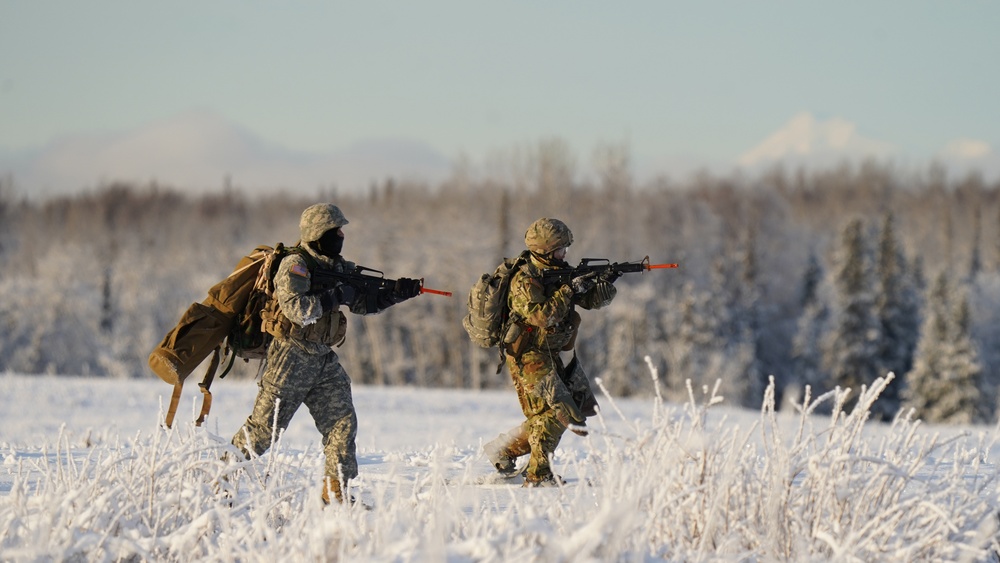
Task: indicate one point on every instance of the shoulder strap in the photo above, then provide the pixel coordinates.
(311, 262)
(206, 401)
(518, 265)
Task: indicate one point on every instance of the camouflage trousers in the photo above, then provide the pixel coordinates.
(294, 377)
(548, 406)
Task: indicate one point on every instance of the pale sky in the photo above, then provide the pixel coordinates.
(682, 83)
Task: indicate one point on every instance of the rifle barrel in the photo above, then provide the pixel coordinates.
(435, 291)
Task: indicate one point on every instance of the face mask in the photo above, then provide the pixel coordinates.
(550, 261)
(330, 244)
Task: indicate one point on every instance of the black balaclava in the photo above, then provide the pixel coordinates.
(330, 244)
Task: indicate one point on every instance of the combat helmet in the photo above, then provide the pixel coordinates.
(546, 235)
(318, 219)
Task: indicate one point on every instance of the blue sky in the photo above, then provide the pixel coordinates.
(683, 84)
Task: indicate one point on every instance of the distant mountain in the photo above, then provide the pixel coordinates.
(804, 140)
(817, 144)
(200, 150)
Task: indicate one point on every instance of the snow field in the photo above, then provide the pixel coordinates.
(694, 481)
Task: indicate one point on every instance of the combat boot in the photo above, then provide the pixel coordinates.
(332, 490)
(502, 463)
(548, 480)
(504, 450)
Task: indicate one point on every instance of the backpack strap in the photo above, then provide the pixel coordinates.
(311, 262)
(516, 267)
(174, 400)
(206, 401)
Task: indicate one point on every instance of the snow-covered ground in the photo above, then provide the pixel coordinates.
(88, 474)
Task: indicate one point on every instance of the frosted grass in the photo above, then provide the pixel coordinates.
(682, 484)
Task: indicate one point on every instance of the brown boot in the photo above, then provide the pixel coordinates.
(331, 488)
(504, 450)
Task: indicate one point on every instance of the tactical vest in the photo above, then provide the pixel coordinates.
(521, 337)
(329, 329)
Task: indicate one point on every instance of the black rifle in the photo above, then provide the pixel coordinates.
(603, 270)
(372, 284)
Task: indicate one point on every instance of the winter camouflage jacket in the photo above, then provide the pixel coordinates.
(314, 330)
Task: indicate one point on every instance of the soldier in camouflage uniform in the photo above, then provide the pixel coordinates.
(302, 367)
(544, 322)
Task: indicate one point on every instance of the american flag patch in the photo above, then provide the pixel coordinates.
(299, 270)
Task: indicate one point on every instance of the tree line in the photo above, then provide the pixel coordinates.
(818, 279)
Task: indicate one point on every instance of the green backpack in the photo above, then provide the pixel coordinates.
(487, 312)
(228, 320)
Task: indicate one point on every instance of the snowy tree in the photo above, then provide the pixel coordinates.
(975, 260)
(942, 387)
(748, 320)
(897, 310)
(850, 348)
(732, 306)
(691, 353)
(806, 344)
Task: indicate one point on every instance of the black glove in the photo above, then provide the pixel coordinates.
(343, 294)
(582, 284)
(406, 288)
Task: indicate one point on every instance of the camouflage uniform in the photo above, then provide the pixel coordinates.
(552, 398)
(302, 367)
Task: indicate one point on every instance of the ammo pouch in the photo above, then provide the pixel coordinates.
(575, 320)
(520, 336)
(330, 329)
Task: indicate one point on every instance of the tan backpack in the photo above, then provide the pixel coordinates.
(227, 320)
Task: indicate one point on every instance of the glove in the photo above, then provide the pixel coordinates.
(611, 277)
(603, 293)
(582, 284)
(343, 294)
(406, 288)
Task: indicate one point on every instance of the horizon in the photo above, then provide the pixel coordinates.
(310, 95)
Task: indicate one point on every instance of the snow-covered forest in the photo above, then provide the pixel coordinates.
(825, 278)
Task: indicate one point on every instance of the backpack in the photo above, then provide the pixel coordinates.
(488, 311)
(228, 319)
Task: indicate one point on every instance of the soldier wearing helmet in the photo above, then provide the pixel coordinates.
(302, 367)
(544, 322)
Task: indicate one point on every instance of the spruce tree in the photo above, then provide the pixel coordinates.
(690, 350)
(897, 311)
(749, 323)
(942, 387)
(976, 261)
(732, 306)
(806, 345)
(967, 404)
(851, 347)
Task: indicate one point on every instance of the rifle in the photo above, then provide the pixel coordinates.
(603, 270)
(366, 281)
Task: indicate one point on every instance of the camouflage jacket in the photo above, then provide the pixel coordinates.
(547, 313)
(314, 330)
